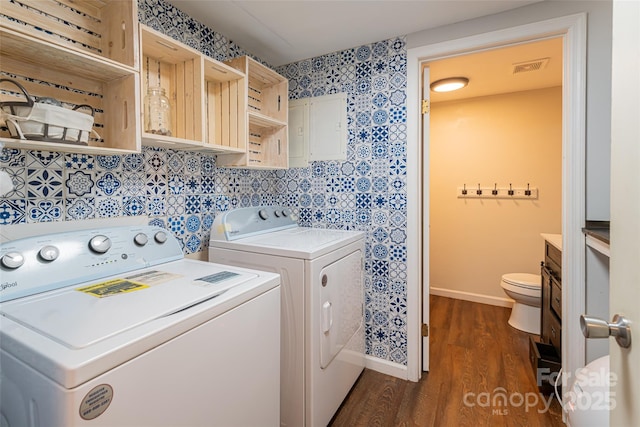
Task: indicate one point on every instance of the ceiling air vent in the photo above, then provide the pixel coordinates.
(534, 65)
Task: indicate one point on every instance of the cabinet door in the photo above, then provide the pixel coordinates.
(298, 133)
(328, 127)
(545, 309)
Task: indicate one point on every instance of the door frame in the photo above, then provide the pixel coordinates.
(573, 29)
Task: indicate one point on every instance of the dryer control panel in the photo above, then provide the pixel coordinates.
(251, 221)
(42, 263)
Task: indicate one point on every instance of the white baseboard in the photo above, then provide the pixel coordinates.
(470, 296)
(385, 367)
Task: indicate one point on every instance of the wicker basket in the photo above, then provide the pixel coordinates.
(46, 120)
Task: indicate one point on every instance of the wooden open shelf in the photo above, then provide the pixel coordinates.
(104, 29)
(48, 69)
(204, 95)
(265, 106)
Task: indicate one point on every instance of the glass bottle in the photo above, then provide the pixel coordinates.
(157, 112)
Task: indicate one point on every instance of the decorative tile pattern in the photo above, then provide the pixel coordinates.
(80, 208)
(79, 161)
(109, 162)
(133, 206)
(44, 183)
(368, 191)
(78, 182)
(108, 184)
(12, 157)
(12, 211)
(45, 210)
(17, 176)
(44, 159)
(108, 207)
(184, 191)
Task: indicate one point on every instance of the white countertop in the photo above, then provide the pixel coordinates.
(554, 239)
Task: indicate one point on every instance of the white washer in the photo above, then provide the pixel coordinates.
(113, 327)
(322, 303)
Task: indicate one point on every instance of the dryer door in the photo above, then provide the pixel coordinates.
(341, 298)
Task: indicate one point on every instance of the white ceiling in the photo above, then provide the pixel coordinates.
(282, 32)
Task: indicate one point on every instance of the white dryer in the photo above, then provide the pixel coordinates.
(113, 327)
(322, 320)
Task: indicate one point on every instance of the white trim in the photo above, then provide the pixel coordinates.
(470, 296)
(574, 196)
(573, 30)
(386, 367)
(414, 223)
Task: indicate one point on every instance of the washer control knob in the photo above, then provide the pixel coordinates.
(286, 212)
(12, 260)
(100, 244)
(263, 214)
(140, 239)
(160, 237)
(277, 213)
(49, 253)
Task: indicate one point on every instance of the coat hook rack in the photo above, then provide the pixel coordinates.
(495, 192)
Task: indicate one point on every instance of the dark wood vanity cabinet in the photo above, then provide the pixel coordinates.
(551, 310)
(545, 353)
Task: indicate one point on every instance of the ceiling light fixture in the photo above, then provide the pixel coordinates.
(449, 84)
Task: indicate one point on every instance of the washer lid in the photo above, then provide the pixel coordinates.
(525, 280)
(83, 315)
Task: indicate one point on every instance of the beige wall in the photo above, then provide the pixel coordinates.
(512, 138)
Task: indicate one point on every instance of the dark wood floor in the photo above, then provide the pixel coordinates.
(475, 356)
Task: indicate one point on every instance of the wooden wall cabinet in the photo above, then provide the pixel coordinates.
(78, 53)
(206, 96)
(264, 121)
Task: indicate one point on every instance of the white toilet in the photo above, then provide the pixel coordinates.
(526, 290)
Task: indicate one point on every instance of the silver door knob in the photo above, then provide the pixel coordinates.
(593, 327)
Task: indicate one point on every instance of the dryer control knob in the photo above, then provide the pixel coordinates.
(263, 214)
(100, 244)
(140, 239)
(276, 213)
(49, 253)
(286, 212)
(12, 260)
(160, 237)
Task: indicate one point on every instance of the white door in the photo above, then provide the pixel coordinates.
(624, 298)
(426, 103)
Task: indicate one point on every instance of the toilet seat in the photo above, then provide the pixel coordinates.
(523, 280)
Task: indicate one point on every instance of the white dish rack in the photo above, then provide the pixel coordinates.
(45, 119)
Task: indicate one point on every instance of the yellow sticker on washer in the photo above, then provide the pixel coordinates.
(223, 228)
(112, 287)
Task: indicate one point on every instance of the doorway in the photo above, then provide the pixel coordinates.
(572, 30)
(501, 133)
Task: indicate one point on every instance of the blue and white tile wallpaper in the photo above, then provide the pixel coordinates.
(183, 191)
